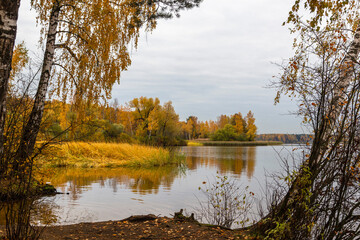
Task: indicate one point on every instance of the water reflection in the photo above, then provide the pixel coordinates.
(235, 160)
(142, 181)
(23, 214)
(112, 194)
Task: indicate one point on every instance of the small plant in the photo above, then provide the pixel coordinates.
(225, 203)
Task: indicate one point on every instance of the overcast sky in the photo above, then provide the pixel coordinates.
(213, 60)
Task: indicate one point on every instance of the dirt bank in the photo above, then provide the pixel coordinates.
(141, 227)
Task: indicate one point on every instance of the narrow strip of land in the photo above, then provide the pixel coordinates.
(233, 143)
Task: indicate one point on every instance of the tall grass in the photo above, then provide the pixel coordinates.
(88, 155)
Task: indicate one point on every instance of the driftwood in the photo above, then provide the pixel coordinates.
(177, 216)
(140, 218)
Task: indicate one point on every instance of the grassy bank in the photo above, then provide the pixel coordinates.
(232, 143)
(89, 155)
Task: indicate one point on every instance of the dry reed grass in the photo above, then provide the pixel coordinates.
(88, 155)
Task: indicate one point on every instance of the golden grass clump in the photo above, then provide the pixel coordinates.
(86, 155)
(194, 144)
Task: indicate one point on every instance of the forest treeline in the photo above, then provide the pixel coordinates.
(285, 138)
(142, 120)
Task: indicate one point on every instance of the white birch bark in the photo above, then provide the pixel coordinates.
(31, 129)
(8, 25)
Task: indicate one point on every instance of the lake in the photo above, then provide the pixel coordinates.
(113, 194)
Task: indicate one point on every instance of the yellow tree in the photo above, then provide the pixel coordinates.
(250, 126)
(238, 123)
(89, 41)
(142, 108)
(193, 125)
(189, 128)
(204, 129)
(19, 60)
(126, 118)
(170, 122)
(164, 124)
(76, 30)
(223, 120)
(213, 126)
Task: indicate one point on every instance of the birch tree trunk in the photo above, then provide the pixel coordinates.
(31, 129)
(8, 25)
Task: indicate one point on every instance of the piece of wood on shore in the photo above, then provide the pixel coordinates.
(141, 218)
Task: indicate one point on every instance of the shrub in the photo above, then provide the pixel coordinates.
(228, 133)
(224, 203)
(113, 131)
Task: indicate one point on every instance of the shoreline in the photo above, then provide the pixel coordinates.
(140, 227)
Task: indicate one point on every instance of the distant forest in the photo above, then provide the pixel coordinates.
(142, 120)
(285, 138)
(145, 120)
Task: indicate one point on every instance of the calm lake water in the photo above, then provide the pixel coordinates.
(113, 194)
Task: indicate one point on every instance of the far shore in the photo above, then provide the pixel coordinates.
(199, 142)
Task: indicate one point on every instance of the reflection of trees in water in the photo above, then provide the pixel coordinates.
(23, 215)
(44, 212)
(143, 181)
(226, 159)
(251, 161)
(234, 160)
